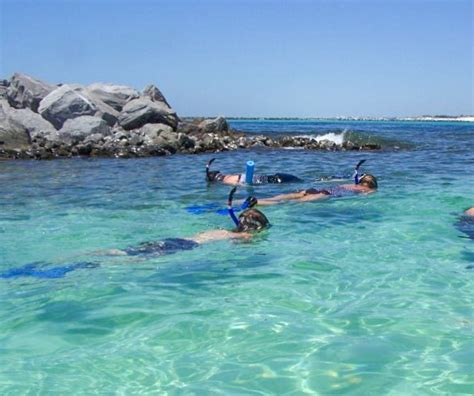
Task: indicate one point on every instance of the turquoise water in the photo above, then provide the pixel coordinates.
(365, 295)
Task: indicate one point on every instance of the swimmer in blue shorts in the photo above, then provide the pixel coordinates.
(251, 220)
(277, 178)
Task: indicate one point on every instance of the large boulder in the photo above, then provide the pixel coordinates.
(78, 129)
(35, 125)
(151, 91)
(216, 125)
(106, 112)
(116, 96)
(71, 101)
(27, 92)
(157, 134)
(12, 134)
(139, 112)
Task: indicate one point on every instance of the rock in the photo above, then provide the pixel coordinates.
(78, 129)
(104, 111)
(13, 136)
(188, 128)
(94, 138)
(72, 100)
(64, 103)
(26, 92)
(116, 96)
(3, 88)
(151, 91)
(151, 133)
(139, 112)
(35, 125)
(216, 125)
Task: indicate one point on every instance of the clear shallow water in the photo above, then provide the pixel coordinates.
(360, 295)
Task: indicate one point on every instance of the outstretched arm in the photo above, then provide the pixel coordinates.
(218, 235)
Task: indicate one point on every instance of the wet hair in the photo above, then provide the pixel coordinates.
(368, 181)
(252, 220)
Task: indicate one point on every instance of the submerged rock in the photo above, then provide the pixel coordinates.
(27, 92)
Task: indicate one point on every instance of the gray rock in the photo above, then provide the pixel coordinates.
(116, 96)
(78, 129)
(13, 136)
(216, 125)
(36, 125)
(3, 89)
(104, 111)
(26, 92)
(151, 91)
(139, 112)
(72, 100)
(64, 103)
(151, 133)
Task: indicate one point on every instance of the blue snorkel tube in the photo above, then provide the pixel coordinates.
(248, 203)
(230, 209)
(250, 168)
(356, 172)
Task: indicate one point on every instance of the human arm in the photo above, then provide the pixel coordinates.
(218, 235)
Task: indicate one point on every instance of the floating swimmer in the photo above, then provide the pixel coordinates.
(249, 221)
(365, 184)
(217, 176)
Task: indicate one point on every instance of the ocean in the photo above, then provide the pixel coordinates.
(361, 295)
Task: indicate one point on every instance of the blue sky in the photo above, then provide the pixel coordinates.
(254, 58)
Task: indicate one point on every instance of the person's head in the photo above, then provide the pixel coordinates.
(368, 181)
(252, 220)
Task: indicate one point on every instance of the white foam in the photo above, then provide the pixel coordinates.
(337, 138)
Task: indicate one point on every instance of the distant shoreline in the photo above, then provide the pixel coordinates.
(463, 118)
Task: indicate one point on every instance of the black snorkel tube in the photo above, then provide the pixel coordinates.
(356, 177)
(208, 175)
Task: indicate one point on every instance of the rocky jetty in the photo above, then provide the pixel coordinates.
(39, 120)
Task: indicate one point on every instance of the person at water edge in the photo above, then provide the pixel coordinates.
(363, 184)
(217, 176)
(251, 220)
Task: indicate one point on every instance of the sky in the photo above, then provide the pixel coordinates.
(254, 58)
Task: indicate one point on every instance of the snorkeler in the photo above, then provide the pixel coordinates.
(217, 176)
(249, 221)
(363, 184)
